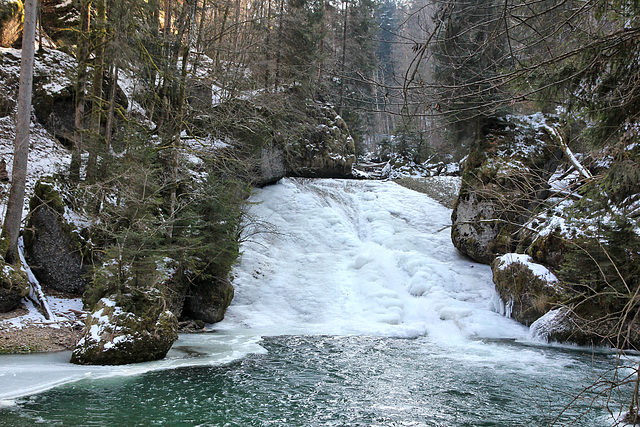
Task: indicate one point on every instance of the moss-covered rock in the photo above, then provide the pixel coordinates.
(54, 246)
(504, 181)
(529, 290)
(127, 328)
(14, 286)
(592, 242)
(301, 138)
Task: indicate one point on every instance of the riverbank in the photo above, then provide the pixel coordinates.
(26, 330)
(443, 189)
(38, 338)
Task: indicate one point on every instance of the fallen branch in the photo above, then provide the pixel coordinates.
(35, 290)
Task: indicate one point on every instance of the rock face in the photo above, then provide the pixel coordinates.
(13, 287)
(529, 290)
(505, 178)
(272, 165)
(325, 150)
(587, 231)
(53, 246)
(208, 302)
(126, 329)
(312, 141)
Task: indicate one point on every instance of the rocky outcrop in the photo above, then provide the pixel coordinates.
(505, 178)
(587, 231)
(127, 328)
(312, 141)
(325, 149)
(528, 290)
(14, 286)
(208, 302)
(54, 246)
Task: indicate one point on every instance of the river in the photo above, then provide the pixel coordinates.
(352, 308)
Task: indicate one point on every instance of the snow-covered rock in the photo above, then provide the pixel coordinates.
(505, 178)
(116, 334)
(527, 288)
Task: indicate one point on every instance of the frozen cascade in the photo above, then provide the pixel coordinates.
(338, 257)
(360, 257)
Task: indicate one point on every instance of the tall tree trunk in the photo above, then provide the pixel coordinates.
(279, 50)
(112, 107)
(81, 87)
(344, 55)
(97, 101)
(267, 49)
(13, 218)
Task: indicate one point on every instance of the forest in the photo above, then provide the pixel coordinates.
(173, 110)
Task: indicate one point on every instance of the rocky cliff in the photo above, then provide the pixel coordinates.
(564, 244)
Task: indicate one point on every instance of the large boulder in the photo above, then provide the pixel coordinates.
(127, 328)
(14, 286)
(505, 179)
(529, 290)
(55, 246)
(564, 324)
(325, 149)
(208, 302)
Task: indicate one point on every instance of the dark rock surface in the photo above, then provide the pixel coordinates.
(208, 302)
(52, 245)
(505, 178)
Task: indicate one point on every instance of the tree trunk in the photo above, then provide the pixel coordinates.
(279, 50)
(344, 55)
(112, 108)
(13, 218)
(98, 78)
(81, 87)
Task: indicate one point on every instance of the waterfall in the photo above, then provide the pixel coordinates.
(360, 257)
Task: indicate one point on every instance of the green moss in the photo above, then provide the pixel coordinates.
(45, 193)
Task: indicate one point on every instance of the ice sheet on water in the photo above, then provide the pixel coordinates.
(358, 257)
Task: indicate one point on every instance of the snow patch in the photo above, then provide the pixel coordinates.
(538, 270)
